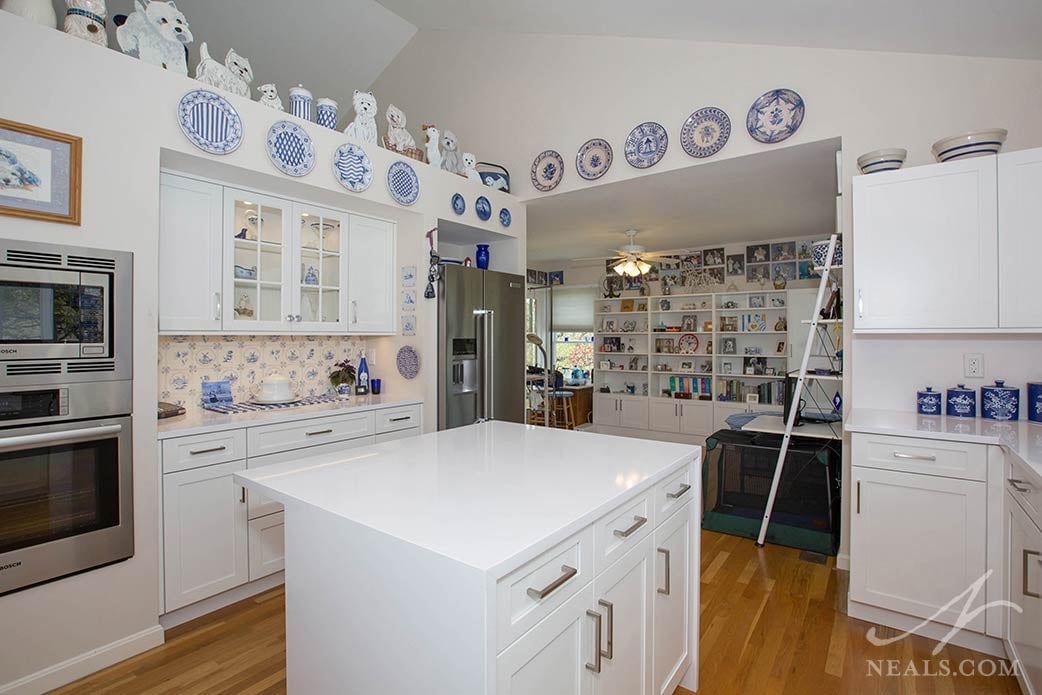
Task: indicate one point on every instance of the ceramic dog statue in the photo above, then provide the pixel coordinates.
(470, 163)
(398, 138)
(450, 154)
(433, 150)
(270, 97)
(156, 33)
(14, 175)
(234, 76)
(363, 128)
(85, 19)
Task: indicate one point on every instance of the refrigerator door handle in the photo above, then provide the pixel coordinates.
(486, 382)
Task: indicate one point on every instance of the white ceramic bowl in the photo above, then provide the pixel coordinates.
(973, 144)
(881, 160)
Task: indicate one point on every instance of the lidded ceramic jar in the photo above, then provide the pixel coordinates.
(1035, 401)
(1000, 402)
(961, 402)
(928, 402)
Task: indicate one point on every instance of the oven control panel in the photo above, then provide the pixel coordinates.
(33, 404)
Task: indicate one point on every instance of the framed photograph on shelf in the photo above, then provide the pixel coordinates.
(757, 301)
(779, 349)
(728, 324)
(755, 366)
(729, 346)
(626, 305)
(707, 326)
(689, 324)
(687, 366)
(664, 346)
(770, 371)
(40, 173)
(726, 368)
(609, 325)
(709, 346)
(642, 306)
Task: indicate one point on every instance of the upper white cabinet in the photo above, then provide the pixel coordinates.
(925, 247)
(190, 249)
(1020, 240)
(240, 261)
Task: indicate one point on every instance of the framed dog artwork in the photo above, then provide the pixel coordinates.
(39, 173)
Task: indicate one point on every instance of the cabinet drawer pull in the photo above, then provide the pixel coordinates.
(566, 574)
(596, 665)
(665, 590)
(638, 521)
(318, 432)
(914, 457)
(217, 306)
(679, 493)
(212, 449)
(242, 497)
(610, 651)
(401, 419)
(859, 497)
(1015, 484)
(1024, 572)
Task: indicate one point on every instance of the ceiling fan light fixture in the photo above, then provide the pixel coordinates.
(643, 267)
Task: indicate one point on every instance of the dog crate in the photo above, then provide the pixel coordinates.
(736, 480)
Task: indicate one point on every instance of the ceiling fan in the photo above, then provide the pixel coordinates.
(632, 258)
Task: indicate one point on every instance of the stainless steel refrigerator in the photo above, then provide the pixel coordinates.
(481, 346)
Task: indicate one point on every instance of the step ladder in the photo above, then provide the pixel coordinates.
(813, 339)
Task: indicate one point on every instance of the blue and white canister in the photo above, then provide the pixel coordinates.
(1035, 401)
(325, 113)
(999, 402)
(300, 102)
(928, 402)
(961, 402)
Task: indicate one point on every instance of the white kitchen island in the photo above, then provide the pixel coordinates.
(491, 559)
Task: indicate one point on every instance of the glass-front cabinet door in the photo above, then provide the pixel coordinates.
(259, 248)
(320, 269)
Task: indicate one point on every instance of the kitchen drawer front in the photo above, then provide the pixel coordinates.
(394, 419)
(557, 574)
(927, 456)
(257, 504)
(267, 544)
(1024, 488)
(673, 492)
(396, 435)
(621, 529)
(184, 453)
(272, 439)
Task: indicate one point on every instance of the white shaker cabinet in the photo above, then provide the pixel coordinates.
(190, 246)
(664, 415)
(1024, 638)
(672, 604)
(318, 275)
(1020, 240)
(371, 276)
(623, 595)
(925, 247)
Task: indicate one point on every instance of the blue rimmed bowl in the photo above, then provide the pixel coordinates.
(881, 160)
(976, 143)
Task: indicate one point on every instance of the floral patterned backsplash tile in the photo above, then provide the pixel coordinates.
(244, 360)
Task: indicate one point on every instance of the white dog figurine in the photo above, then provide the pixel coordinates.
(234, 76)
(433, 151)
(157, 33)
(14, 175)
(270, 97)
(363, 128)
(470, 163)
(450, 155)
(398, 138)
(85, 19)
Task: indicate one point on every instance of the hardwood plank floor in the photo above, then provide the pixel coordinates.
(772, 623)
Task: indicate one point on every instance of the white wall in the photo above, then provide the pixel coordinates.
(125, 113)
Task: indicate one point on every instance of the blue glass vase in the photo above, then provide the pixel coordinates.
(483, 256)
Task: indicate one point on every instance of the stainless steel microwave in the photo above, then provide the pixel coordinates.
(65, 313)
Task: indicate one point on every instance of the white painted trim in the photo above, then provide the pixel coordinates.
(85, 664)
(222, 600)
(935, 631)
(843, 561)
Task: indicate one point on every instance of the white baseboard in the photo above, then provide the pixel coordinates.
(843, 561)
(85, 664)
(214, 603)
(935, 631)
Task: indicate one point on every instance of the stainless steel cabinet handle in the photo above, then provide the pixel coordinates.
(665, 590)
(199, 452)
(32, 441)
(596, 665)
(566, 574)
(914, 457)
(859, 497)
(1024, 572)
(860, 305)
(1015, 484)
(242, 498)
(354, 311)
(401, 419)
(318, 432)
(638, 521)
(679, 493)
(610, 651)
(217, 306)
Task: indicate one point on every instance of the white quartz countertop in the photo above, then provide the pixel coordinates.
(1020, 438)
(484, 494)
(198, 420)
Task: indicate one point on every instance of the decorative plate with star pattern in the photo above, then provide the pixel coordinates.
(775, 116)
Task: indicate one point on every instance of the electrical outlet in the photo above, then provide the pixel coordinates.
(973, 364)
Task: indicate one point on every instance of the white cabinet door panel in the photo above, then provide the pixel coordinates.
(623, 595)
(672, 621)
(606, 410)
(267, 545)
(696, 418)
(318, 276)
(663, 415)
(633, 413)
(371, 276)
(1025, 590)
(1020, 238)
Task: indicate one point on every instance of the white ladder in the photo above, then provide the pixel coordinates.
(794, 401)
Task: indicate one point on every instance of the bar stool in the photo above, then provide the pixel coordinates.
(564, 410)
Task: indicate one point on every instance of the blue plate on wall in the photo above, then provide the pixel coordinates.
(705, 132)
(352, 168)
(403, 183)
(646, 144)
(291, 149)
(459, 205)
(775, 116)
(504, 217)
(594, 159)
(483, 208)
(209, 121)
(547, 170)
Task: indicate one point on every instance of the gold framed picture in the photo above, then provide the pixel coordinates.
(40, 173)
(626, 305)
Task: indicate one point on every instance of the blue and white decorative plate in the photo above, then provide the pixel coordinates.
(547, 170)
(408, 362)
(504, 217)
(403, 183)
(209, 121)
(291, 149)
(594, 159)
(775, 116)
(646, 144)
(352, 168)
(483, 208)
(459, 204)
(705, 132)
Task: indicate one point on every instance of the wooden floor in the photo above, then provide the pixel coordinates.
(771, 623)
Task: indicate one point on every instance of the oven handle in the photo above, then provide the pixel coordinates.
(32, 441)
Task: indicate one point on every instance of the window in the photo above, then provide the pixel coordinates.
(573, 349)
